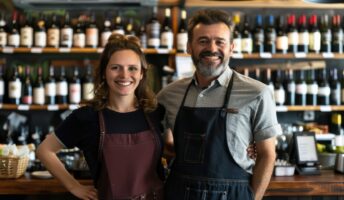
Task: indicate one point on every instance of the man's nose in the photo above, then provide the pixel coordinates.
(212, 46)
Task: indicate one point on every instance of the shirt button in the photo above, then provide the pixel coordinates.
(201, 95)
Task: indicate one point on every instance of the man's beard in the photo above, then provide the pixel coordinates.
(209, 69)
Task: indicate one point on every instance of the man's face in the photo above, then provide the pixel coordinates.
(210, 49)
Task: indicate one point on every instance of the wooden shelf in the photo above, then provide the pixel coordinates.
(309, 108)
(24, 107)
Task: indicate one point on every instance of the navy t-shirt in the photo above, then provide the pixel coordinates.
(81, 129)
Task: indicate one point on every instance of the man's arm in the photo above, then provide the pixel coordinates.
(263, 169)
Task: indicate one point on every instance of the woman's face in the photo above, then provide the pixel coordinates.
(123, 73)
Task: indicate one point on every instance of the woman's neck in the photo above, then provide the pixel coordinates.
(122, 104)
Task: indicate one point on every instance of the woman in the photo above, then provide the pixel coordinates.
(117, 131)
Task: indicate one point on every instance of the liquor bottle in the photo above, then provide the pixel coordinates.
(79, 36)
(118, 26)
(267, 79)
(335, 95)
(324, 90)
(166, 36)
(53, 32)
(337, 34)
(314, 35)
(312, 88)
(129, 28)
(236, 34)
(256, 74)
(38, 89)
(336, 124)
(62, 87)
(87, 85)
(293, 35)
(40, 33)
(143, 35)
(258, 35)
(2, 84)
(282, 37)
(303, 44)
(74, 88)
(326, 35)
(13, 33)
(301, 89)
(27, 87)
(279, 92)
(66, 32)
(182, 35)
(153, 30)
(3, 30)
(92, 32)
(289, 87)
(50, 87)
(247, 41)
(270, 36)
(342, 87)
(106, 32)
(14, 88)
(26, 33)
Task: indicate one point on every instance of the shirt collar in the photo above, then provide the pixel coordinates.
(222, 80)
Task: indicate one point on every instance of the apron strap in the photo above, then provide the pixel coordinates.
(101, 138)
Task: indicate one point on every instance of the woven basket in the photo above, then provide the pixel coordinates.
(13, 167)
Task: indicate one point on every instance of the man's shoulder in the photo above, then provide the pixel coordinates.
(249, 83)
(177, 87)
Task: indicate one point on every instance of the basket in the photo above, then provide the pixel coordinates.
(13, 167)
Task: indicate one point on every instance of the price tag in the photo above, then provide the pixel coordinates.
(328, 55)
(52, 107)
(300, 55)
(23, 107)
(238, 55)
(73, 106)
(1, 105)
(100, 50)
(7, 50)
(163, 51)
(36, 50)
(281, 108)
(325, 108)
(64, 50)
(265, 55)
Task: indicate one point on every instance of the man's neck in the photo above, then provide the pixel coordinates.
(204, 81)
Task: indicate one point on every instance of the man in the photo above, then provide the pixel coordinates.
(214, 116)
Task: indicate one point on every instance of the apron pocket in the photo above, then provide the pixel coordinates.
(192, 194)
(194, 148)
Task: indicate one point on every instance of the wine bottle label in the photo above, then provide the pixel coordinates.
(74, 93)
(14, 89)
(153, 31)
(279, 95)
(246, 45)
(167, 39)
(79, 40)
(53, 37)
(312, 88)
(87, 91)
(182, 39)
(38, 95)
(104, 38)
(237, 45)
(66, 37)
(14, 40)
(3, 39)
(282, 43)
(304, 38)
(324, 91)
(40, 39)
(2, 88)
(27, 99)
(154, 42)
(259, 38)
(92, 37)
(342, 95)
(271, 38)
(338, 37)
(326, 37)
(314, 41)
(50, 89)
(293, 38)
(62, 88)
(301, 88)
(292, 87)
(26, 36)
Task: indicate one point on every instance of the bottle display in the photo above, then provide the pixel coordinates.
(106, 32)
(14, 87)
(74, 88)
(301, 89)
(166, 36)
(66, 32)
(182, 35)
(293, 34)
(38, 89)
(153, 30)
(13, 33)
(312, 88)
(270, 36)
(3, 31)
(246, 37)
(40, 33)
(61, 87)
(53, 32)
(92, 32)
(326, 35)
(27, 88)
(2, 84)
(324, 90)
(282, 37)
(87, 85)
(258, 35)
(303, 41)
(50, 87)
(337, 34)
(26, 33)
(314, 35)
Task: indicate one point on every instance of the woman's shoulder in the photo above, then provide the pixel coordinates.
(85, 113)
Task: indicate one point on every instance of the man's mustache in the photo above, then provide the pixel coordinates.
(209, 53)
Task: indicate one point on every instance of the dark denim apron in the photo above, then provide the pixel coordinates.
(204, 169)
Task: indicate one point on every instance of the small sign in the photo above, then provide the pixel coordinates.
(7, 50)
(23, 107)
(73, 106)
(325, 108)
(36, 50)
(64, 50)
(238, 55)
(265, 55)
(52, 107)
(300, 55)
(328, 55)
(281, 108)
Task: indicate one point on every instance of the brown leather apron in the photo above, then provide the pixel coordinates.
(129, 165)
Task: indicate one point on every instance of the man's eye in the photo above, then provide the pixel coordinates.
(203, 41)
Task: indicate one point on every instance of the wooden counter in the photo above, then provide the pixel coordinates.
(326, 184)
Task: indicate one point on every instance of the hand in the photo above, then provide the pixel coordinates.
(252, 151)
(85, 192)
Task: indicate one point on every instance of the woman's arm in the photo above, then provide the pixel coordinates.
(46, 152)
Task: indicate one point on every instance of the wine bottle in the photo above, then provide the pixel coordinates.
(312, 88)
(335, 96)
(62, 87)
(282, 37)
(336, 124)
(293, 35)
(27, 87)
(3, 30)
(26, 33)
(326, 35)
(324, 90)
(66, 32)
(14, 88)
(301, 89)
(2, 84)
(258, 35)
(267, 79)
(129, 28)
(314, 35)
(50, 87)
(279, 92)
(337, 33)
(13, 33)
(87, 85)
(38, 89)
(118, 26)
(143, 35)
(79, 36)
(303, 44)
(270, 36)
(182, 35)
(290, 87)
(53, 32)
(106, 32)
(166, 36)
(247, 41)
(92, 32)
(40, 33)
(342, 87)
(74, 88)
(153, 30)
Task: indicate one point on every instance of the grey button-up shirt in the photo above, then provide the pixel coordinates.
(255, 119)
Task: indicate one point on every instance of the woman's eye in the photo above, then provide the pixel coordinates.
(132, 69)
